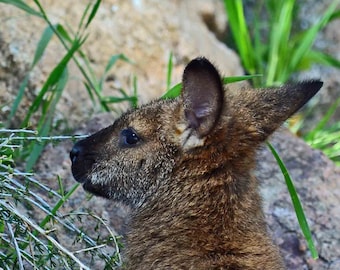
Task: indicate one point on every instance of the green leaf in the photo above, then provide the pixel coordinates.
(175, 91)
(42, 44)
(109, 65)
(45, 121)
(114, 59)
(240, 33)
(234, 79)
(323, 58)
(93, 12)
(280, 28)
(18, 99)
(169, 73)
(322, 123)
(306, 40)
(51, 80)
(296, 203)
(63, 33)
(23, 6)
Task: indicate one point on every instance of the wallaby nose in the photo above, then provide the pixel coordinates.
(75, 152)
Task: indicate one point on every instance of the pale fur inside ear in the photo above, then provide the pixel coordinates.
(188, 138)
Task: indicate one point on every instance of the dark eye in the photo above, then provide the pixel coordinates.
(128, 137)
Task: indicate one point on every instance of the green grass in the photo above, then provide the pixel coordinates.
(277, 50)
(27, 242)
(271, 47)
(24, 241)
(44, 104)
(274, 49)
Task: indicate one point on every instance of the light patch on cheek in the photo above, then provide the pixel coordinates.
(95, 179)
(187, 137)
(99, 177)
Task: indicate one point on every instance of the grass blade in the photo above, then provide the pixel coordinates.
(175, 91)
(51, 80)
(226, 80)
(169, 72)
(114, 59)
(322, 58)
(18, 99)
(93, 13)
(45, 122)
(305, 42)
(109, 65)
(42, 44)
(240, 33)
(321, 125)
(23, 6)
(296, 203)
(281, 22)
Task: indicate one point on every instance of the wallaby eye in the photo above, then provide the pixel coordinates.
(128, 137)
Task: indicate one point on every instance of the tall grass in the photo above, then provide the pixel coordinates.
(49, 95)
(27, 242)
(277, 50)
(272, 48)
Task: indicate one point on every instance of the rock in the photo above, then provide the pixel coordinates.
(316, 179)
(146, 31)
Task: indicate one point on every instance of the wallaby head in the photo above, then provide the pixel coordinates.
(184, 166)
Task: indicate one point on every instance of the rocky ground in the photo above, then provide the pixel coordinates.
(147, 31)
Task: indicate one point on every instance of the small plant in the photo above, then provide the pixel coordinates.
(48, 97)
(273, 49)
(31, 242)
(25, 242)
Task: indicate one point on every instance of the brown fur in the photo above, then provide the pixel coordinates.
(185, 167)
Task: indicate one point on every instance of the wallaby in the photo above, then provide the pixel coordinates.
(185, 168)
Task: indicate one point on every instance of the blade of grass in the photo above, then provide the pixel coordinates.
(322, 58)
(296, 203)
(18, 99)
(169, 72)
(93, 13)
(23, 6)
(134, 102)
(51, 80)
(113, 60)
(81, 22)
(42, 44)
(240, 33)
(280, 22)
(45, 122)
(311, 135)
(175, 91)
(303, 44)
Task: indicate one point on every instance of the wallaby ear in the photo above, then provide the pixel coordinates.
(202, 95)
(269, 108)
